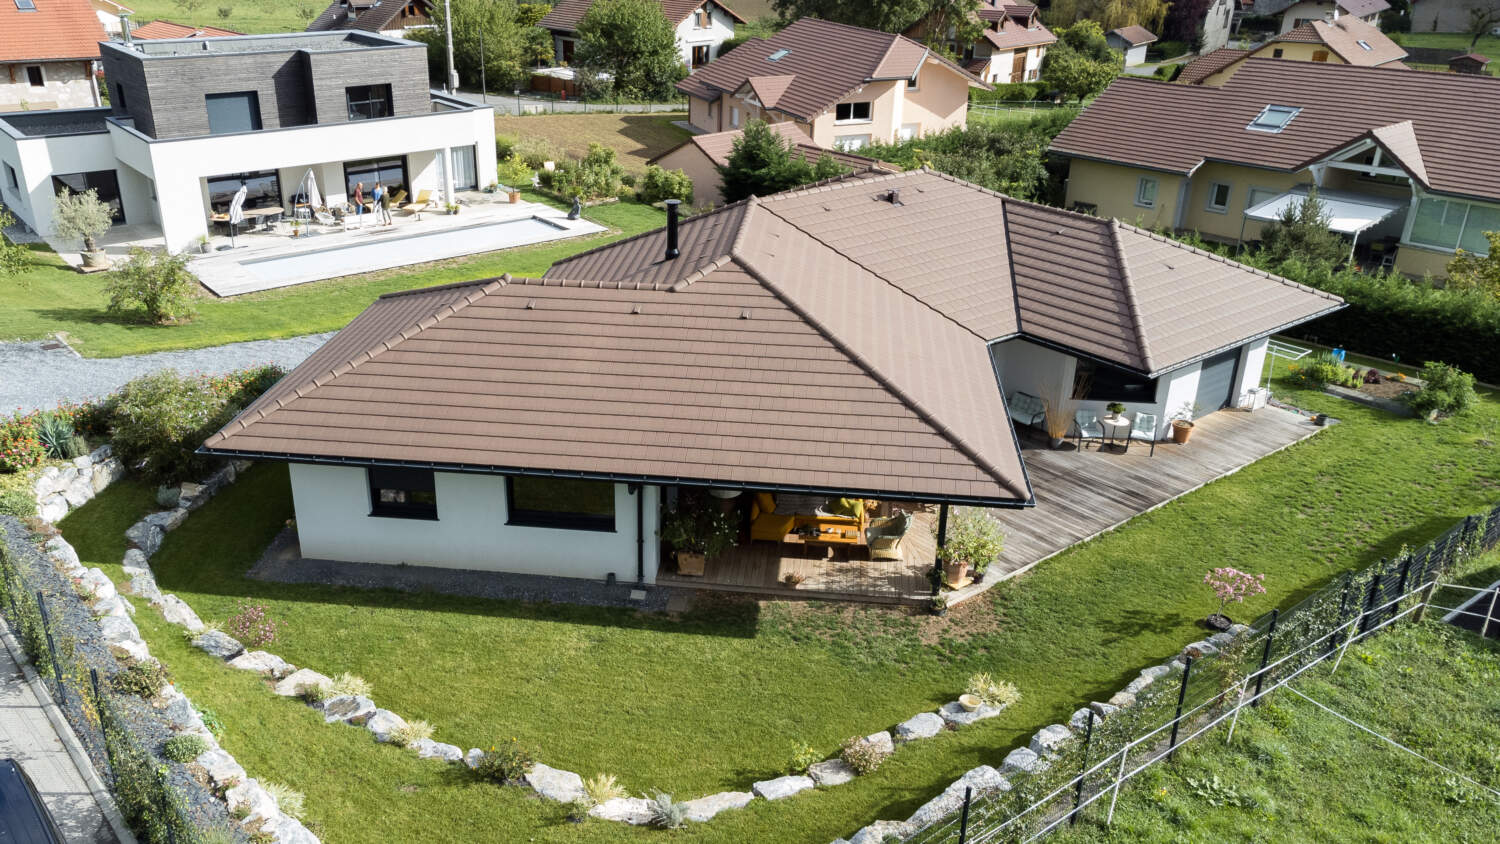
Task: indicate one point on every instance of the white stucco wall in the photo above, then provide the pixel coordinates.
(37, 159)
(334, 523)
(1251, 368)
(1135, 55)
(720, 29)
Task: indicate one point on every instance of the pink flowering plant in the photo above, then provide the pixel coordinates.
(1233, 585)
(252, 625)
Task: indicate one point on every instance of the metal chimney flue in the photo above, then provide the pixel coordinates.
(894, 197)
(672, 251)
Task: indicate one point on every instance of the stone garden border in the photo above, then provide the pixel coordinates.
(60, 490)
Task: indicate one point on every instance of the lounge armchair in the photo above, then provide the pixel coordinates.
(326, 218)
(1086, 423)
(884, 536)
(1026, 409)
(1143, 427)
(416, 206)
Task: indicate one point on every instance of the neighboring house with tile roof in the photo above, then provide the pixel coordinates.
(388, 17)
(1445, 15)
(1407, 155)
(844, 86)
(701, 156)
(169, 29)
(1295, 13)
(702, 27)
(47, 54)
(190, 121)
(1010, 48)
(109, 13)
(851, 339)
(1347, 40)
(1132, 41)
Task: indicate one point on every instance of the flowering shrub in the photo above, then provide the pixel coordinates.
(20, 446)
(1231, 584)
(252, 626)
(861, 755)
(506, 762)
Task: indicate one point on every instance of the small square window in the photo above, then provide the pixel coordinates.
(1273, 118)
(34, 76)
(402, 493)
(1218, 197)
(1277, 53)
(852, 112)
(1145, 193)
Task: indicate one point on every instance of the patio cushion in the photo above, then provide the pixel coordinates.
(853, 508)
(772, 526)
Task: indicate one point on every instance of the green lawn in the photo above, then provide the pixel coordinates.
(1296, 773)
(248, 16)
(635, 138)
(51, 297)
(717, 698)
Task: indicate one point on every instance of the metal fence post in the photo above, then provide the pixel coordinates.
(1187, 671)
(62, 692)
(1088, 739)
(1405, 571)
(1484, 629)
(963, 821)
(1427, 594)
(1265, 655)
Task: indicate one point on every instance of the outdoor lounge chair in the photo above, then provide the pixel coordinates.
(1143, 427)
(416, 206)
(1086, 423)
(1025, 409)
(326, 218)
(884, 536)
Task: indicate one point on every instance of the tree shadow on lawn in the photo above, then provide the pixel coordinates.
(100, 316)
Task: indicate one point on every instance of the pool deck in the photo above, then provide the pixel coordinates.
(225, 274)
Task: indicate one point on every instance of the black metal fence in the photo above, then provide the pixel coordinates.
(138, 781)
(1207, 692)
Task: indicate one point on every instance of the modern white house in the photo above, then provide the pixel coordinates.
(190, 121)
(855, 341)
(702, 28)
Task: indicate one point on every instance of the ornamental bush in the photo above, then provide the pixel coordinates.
(993, 692)
(1447, 391)
(185, 747)
(596, 176)
(145, 679)
(659, 184)
(505, 762)
(252, 625)
(974, 538)
(861, 755)
(155, 285)
(20, 446)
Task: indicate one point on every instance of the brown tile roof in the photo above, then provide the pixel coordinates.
(1344, 37)
(1455, 121)
(768, 89)
(1133, 35)
(1062, 278)
(994, 10)
(718, 145)
(566, 14)
(372, 15)
(168, 29)
(1208, 64)
(1015, 36)
(1359, 8)
(57, 29)
(826, 60)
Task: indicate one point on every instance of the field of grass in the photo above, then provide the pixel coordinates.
(1296, 773)
(247, 16)
(636, 138)
(715, 699)
(51, 297)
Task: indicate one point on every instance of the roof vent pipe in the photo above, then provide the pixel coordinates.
(125, 27)
(672, 251)
(894, 197)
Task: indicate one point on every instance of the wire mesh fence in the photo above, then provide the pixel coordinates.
(1201, 694)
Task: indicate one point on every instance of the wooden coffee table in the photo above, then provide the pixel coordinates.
(827, 538)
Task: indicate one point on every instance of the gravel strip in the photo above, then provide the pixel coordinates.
(36, 378)
(282, 563)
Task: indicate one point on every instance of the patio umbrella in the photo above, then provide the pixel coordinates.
(310, 188)
(236, 212)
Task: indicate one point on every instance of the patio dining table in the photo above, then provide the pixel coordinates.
(266, 216)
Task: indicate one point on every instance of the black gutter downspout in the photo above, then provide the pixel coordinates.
(639, 492)
(942, 539)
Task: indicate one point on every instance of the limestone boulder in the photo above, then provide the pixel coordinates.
(107, 472)
(705, 808)
(553, 784)
(351, 709)
(830, 772)
(101, 454)
(300, 682)
(954, 713)
(181, 713)
(218, 643)
(289, 830)
(52, 508)
(1122, 700)
(250, 798)
(145, 536)
(143, 585)
(176, 611)
(383, 722)
(880, 831)
(1103, 710)
(978, 781)
(472, 758)
(47, 483)
(1080, 719)
(80, 490)
(96, 584)
(1238, 630)
(113, 605)
(61, 552)
(1050, 739)
(262, 662)
(1022, 760)
(221, 767)
(129, 650)
(631, 810)
(168, 520)
(1198, 650)
(781, 787)
(1138, 685)
(1156, 672)
(118, 629)
(135, 562)
(920, 726)
(429, 749)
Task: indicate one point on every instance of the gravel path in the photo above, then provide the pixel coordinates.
(33, 377)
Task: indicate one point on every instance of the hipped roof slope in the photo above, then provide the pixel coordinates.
(1455, 121)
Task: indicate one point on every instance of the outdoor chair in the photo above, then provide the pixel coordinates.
(884, 536)
(326, 218)
(1143, 427)
(1086, 423)
(416, 206)
(1025, 409)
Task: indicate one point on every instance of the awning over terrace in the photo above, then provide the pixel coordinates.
(1348, 213)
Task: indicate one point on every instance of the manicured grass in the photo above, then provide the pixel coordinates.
(248, 16)
(1489, 45)
(50, 297)
(636, 138)
(1296, 773)
(715, 699)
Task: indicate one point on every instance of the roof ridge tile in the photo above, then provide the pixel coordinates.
(1130, 299)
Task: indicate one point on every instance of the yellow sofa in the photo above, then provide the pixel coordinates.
(768, 524)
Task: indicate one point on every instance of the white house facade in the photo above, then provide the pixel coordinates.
(701, 27)
(175, 146)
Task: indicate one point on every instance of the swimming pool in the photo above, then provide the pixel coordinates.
(384, 250)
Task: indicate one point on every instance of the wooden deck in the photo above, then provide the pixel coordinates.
(760, 566)
(1079, 495)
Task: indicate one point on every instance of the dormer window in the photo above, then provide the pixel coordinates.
(1273, 118)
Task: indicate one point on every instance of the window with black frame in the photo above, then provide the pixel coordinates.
(104, 183)
(568, 503)
(1101, 382)
(262, 190)
(402, 493)
(368, 102)
(389, 171)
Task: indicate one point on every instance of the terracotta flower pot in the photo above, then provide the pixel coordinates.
(690, 563)
(955, 572)
(1182, 431)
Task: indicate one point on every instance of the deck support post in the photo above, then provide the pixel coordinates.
(942, 539)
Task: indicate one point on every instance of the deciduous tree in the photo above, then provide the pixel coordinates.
(512, 43)
(762, 163)
(635, 44)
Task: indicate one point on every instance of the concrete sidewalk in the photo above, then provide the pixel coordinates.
(28, 736)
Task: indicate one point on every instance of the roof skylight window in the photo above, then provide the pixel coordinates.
(778, 55)
(1365, 44)
(1273, 118)
(26, 5)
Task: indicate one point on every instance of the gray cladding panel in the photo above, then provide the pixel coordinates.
(404, 69)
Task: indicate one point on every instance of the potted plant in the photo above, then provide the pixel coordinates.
(973, 539)
(794, 579)
(1182, 426)
(82, 216)
(1115, 409)
(938, 605)
(1231, 584)
(296, 227)
(203, 243)
(697, 535)
(1056, 418)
